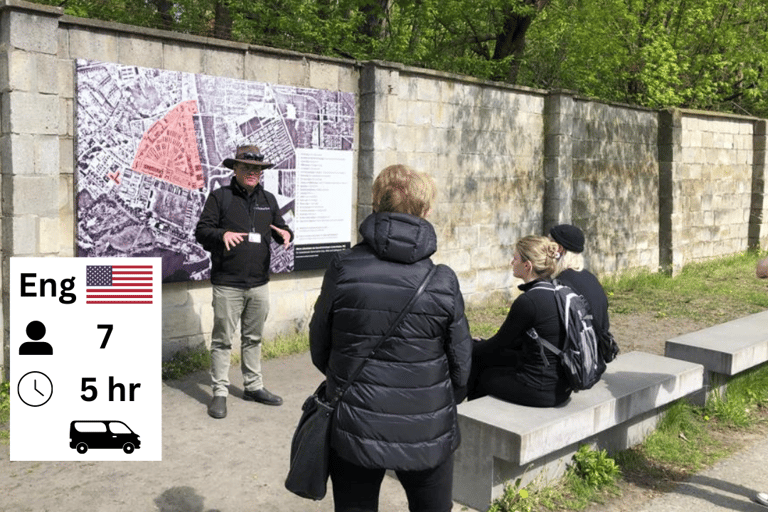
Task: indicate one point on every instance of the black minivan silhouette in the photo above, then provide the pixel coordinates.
(85, 434)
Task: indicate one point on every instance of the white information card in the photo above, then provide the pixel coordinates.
(86, 354)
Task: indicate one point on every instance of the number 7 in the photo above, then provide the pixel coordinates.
(108, 327)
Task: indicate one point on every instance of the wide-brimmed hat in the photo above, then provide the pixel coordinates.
(250, 155)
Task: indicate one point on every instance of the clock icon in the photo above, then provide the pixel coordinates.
(35, 389)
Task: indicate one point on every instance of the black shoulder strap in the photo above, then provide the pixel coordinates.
(386, 335)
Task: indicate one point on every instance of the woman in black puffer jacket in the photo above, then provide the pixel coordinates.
(400, 413)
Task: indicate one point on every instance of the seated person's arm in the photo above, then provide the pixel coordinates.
(519, 319)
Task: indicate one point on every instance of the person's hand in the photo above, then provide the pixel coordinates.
(286, 235)
(231, 239)
(477, 339)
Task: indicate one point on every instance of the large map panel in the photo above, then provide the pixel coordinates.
(150, 147)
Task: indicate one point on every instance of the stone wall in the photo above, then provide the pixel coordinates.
(615, 185)
(483, 145)
(715, 186)
(649, 188)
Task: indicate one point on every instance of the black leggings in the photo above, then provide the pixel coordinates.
(356, 489)
(496, 374)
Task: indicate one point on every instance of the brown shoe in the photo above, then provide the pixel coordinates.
(218, 407)
(262, 396)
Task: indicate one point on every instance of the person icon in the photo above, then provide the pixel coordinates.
(35, 332)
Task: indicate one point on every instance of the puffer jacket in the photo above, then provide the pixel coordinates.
(400, 412)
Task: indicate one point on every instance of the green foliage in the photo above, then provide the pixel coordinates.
(514, 499)
(295, 343)
(712, 292)
(682, 441)
(707, 54)
(744, 395)
(5, 410)
(185, 362)
(595, 467)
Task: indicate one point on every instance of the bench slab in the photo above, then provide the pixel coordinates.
(727, 348)
(503, 441)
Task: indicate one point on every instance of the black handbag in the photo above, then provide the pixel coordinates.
(311, 445)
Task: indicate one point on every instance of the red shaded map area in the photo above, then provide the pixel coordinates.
(168, 150)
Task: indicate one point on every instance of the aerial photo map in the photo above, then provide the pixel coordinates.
(150, 147)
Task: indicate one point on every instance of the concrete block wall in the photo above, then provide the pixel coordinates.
(715, 185)
(758, 215)
(483, 145)
(615, 185)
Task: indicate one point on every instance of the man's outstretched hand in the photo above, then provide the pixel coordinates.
(231, 239)
(286, 235)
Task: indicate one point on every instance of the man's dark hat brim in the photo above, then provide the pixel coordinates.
(230, 163)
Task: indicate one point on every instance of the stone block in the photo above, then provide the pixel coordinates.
(139, 51)
(182, 57)
(226, 63)
(66, 155)
(428, 90)
(21, 240)
(262, 68)
(47, 73)
(32, 32)
(85, 44)
(24, 112)
(65, 74)
(66, 117)
(323, 75)
(179, 321)
(294, 72)
(17, 154)
(48, 235)
(47, 155)
(21, 72)
(31, 195)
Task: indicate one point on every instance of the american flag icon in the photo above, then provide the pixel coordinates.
(118, 284)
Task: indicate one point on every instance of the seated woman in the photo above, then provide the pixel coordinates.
(570, 271)
(511, 365)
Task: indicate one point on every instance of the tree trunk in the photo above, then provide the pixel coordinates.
(164, 9)
(376, 12)
(511, 39)
(222, 23)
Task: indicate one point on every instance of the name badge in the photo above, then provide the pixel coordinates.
(254, 238)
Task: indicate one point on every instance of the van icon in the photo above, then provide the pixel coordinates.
(86, 434)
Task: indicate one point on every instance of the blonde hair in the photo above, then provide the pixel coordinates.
(568, 259)
(400, 189)
(541, 252)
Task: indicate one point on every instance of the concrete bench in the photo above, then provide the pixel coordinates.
(724, 350)
(502, 441)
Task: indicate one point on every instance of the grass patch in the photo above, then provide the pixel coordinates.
(5, 411)
(186, 362)
(286, 345)
(713, 291)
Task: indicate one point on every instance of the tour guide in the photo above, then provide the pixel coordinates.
(236, 226)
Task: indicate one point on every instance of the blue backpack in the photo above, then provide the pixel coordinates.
(580, 358)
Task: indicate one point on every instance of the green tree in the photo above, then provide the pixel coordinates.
(706, 54)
